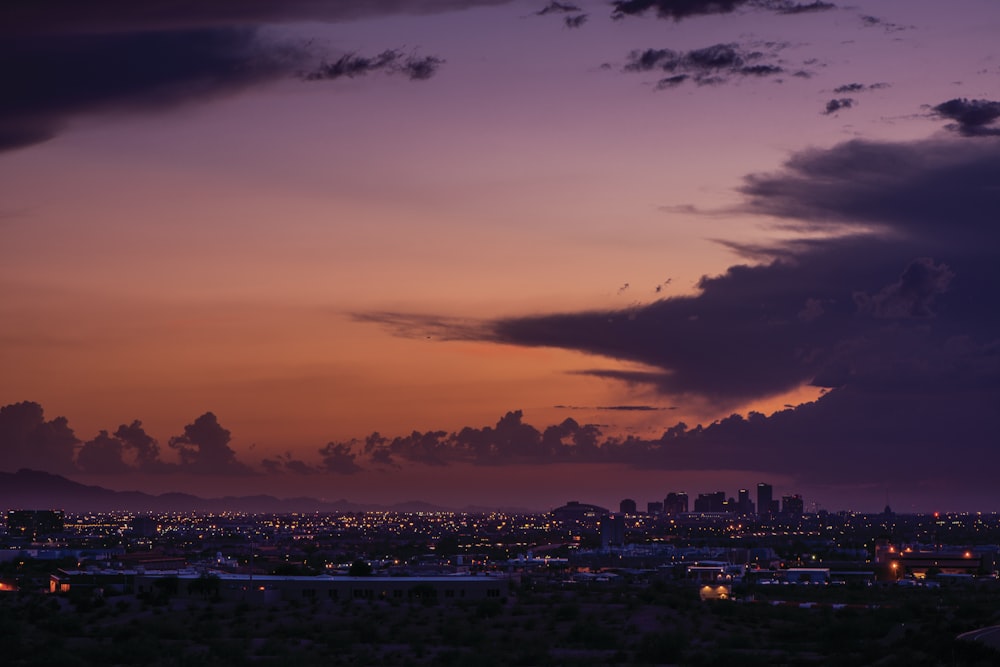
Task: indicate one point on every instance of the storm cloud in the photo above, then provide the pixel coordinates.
(882, 299)
(51, 77)
(60, 59)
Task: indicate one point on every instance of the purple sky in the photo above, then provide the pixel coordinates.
(540, 251)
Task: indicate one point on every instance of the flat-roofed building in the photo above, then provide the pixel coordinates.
(272, 588)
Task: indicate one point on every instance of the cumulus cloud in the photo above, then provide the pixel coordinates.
(339, 458)
(973, 118)
(27, 440)
(144, 448)
(102, 455)
(204, 448)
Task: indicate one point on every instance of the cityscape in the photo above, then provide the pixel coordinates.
(578, 585)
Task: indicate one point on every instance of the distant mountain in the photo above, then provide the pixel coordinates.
(34, 489)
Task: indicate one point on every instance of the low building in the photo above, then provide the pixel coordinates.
(272, 588)
(579, 512)
(268, 588)
(921, 563)
(33, 523)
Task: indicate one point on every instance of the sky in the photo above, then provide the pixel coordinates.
(504, 253)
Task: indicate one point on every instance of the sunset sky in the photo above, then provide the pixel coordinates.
(457, 225)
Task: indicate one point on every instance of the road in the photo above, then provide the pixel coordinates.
(989, 636)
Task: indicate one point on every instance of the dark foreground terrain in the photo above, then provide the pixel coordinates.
(604, 624)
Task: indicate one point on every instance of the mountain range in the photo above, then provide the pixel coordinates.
(34, 489)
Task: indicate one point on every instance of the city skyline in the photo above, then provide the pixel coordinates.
(470, 252)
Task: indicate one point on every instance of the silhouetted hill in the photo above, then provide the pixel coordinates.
(34, 489)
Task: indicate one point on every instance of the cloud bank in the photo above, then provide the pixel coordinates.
(882, 299)
(60, 59)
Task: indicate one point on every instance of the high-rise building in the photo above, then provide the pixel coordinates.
(744, 506)
(675, 503)
(710, 502)
(613, 531)
(627, 506)
(654, 507)
(765, 494)
(792, 505)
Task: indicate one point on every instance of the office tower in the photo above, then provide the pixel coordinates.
(675, 503)
(654, 507)
(710, 502)
(627, 506)
(744, 506)
(792, 505)
(765, 493)
(613, 531)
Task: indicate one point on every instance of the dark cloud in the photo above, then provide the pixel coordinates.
(286, 463)
(859, 87)
(681, 9)
(619, 408)
(886, 303)
(973, 118)
(420, 68)
(435, 327)
(803, 7)
(204, 448)
(339, 458)
(143, 446)
(558, 8)
(911, 191)
(575, 21)
(50, 77)
(876, 22)
(835, 105)
(710, 65)
(675, 9)
(911, 296)
(59, 59)
(102, 455)
(390, 61)
(27, 440)
(105, 16)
